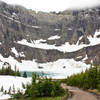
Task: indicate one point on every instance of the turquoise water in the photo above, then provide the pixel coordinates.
(29, 74)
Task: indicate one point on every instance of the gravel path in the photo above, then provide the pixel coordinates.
(80, 94)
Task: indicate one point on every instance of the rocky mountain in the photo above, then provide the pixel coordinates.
(47, 37)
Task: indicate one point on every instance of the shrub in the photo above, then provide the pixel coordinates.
(43, 87)
(17, 95)
(98, 87)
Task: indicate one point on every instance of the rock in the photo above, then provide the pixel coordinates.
(18, 23)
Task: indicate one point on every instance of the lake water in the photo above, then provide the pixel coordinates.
(48, 74)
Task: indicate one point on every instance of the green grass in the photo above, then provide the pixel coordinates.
(43, 98)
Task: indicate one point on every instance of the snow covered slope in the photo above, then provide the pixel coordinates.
(65, 47)
(12, 82)
(61, 67)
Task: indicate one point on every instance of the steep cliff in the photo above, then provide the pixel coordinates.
(47, 37)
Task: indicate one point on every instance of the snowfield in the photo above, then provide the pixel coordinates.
(4, 96)
(12, 81)
(61, 67)
(63, 48)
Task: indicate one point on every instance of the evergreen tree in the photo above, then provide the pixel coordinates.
(25, 75)
(88, 79)
(9, 91)
(2, 89)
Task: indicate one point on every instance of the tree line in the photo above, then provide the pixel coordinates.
(90, 79)
(8, 71)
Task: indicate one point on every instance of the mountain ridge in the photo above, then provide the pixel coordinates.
(18, 23)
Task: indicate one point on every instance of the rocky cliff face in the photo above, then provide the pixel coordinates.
(71, 27)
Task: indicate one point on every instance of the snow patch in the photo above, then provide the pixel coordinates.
(36, 27)
(63, 48)
(15, 51)
(86, 57)
(21, 54)
(12, 81)
(96, 33)
(57, 29)
(54, 37)
(79, 57)
(94, 40)
(4, 96)
(69, 29)
(38, 41)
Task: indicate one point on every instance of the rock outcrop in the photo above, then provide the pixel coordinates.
(18, 23)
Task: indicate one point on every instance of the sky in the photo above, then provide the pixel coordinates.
(54, 5)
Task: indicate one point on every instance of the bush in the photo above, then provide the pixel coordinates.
(43, 87)
(18, 95)
(98, 87)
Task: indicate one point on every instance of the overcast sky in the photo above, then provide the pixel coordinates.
(54, 5)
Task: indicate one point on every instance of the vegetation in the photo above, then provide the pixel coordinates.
(41, 87)
(42, 98)
(90, 79)
(25, 75)
(9, 71)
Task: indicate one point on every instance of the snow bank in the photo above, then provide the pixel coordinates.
(62, 67)
(65, 47)
(12, 81)
(4, 96)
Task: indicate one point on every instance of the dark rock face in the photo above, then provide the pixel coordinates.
(17, 23)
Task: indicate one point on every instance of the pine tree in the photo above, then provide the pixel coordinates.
(18, 73)
(25, 75)
(9, 91)
(13, 89)
(2, 89)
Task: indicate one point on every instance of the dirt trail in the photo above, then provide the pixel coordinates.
(80, 94)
